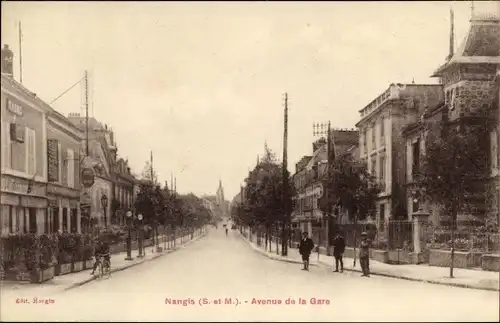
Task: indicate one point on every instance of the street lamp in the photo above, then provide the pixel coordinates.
(104, 203)
(141, 231)
(129, 238)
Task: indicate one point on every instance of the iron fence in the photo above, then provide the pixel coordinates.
(400, 235)
(466, 238)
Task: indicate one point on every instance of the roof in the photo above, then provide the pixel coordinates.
(480, 46)
(40, 103)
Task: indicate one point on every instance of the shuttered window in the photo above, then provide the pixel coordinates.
(71, 168)
(60, 164)
(6, 146)
(30, 152)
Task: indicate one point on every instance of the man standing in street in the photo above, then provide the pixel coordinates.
(364, 255)
(338, 251)
(305, 248)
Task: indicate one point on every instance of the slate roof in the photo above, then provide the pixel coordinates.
(480, 46)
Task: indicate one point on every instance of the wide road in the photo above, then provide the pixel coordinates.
(219, 267)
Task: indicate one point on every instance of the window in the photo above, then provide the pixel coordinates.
(32, 220)
(46, 222)
(5, 219)
(366, 140)
(362, 143)
(382, 131)
(6, 146)
(382, 172)
(373, 168)
(416, 157)
(65, 219)
(74, 220)
(55, 219)
(71, 168)
(30, 152)
(381, 217)
(59, 154)
(374, 142)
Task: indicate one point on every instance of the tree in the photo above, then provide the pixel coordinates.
(265, 204)
(149, 174)
(454, 169)
(353, 189)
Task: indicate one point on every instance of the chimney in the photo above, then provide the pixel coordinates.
(7, 61)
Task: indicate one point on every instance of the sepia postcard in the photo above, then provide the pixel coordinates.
(250, 161)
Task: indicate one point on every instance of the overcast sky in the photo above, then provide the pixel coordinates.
(201, 84)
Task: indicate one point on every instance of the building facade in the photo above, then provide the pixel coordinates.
(310, 173)
(382, 147)
(23, 158)
(64, 159)
(123, 190)
(470, 83)
(99, 196)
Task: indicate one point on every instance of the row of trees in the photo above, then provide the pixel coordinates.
(161, 206)
(349, 187)
(452, 174)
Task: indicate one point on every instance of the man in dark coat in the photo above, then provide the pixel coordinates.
(338, 251)
(364, 255)
(305, 248)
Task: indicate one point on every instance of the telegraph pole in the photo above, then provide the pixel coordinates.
(286, 218)
(20, 54)
(86, 77)
(321, 129)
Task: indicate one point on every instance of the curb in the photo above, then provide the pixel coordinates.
(88, 280)
(265, 253)
(325, 265)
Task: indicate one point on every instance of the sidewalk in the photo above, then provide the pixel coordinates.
(465, 278)
(70, 281)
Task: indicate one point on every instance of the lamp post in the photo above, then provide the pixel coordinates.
(140, 231)
(104, 203)
(129, 237)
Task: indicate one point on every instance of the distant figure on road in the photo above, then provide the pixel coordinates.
(305, 248)
(364, 255)
(227, 231)
(338, 251)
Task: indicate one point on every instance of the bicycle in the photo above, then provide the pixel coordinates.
(103, 267)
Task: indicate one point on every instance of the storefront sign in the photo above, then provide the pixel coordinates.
(20, 186)
(53, 160)
(29, 201)
(88, 177)
(15, 108)
(62, 191)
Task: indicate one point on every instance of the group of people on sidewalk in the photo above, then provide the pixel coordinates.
(306, 247)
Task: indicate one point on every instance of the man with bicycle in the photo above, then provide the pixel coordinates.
(101, 253)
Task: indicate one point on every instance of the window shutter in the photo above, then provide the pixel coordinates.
(31, 152)
(71, 167)
(6, 146)
(60, 166)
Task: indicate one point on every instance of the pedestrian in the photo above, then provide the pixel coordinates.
(305, 248)
(338, 251)
(364, 255)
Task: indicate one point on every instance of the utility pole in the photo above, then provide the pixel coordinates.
(20, 54)
(321, 129)
(286, 218)
(86, 77)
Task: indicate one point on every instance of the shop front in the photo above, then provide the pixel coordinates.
(64, 209)
(23, 205)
